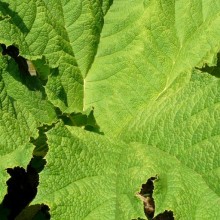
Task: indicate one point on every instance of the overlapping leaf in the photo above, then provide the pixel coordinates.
(21, 112)
(143, 48)
(158, 113)
(100, 179)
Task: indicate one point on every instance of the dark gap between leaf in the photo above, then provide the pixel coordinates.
(212, 70)
(41, 146)
(166, 215)
(22, 185)
(146, 195)
(22, 189)
(79, 119)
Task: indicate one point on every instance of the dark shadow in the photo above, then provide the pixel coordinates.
(15, 18)
(22, 188)
(80, 120)
(166, 215)
(138, 219)
(35, 212)
(31, 82)
(60, 93)
(213, 70)
(40, 143)
(146, 195)
(43, 69)
(110, 2)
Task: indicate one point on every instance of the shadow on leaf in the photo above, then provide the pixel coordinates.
(21, 73)
(86, 120)
(15, 19)
(213, 70)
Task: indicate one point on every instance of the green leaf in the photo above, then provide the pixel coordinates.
(91, 181)
(143, 49)
(41, 109)
(21, 112)
(186, 126)
(102, 178)
(142, 66)
(36, 36)
(144, 94)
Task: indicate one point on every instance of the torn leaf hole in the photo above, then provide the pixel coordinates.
(146, 196)
(166, 215)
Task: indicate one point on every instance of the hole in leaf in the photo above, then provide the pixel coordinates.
(146, 195)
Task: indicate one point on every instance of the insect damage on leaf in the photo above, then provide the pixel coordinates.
(146, 196)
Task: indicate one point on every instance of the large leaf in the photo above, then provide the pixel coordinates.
(137, 63)
(182, 148)
(100, 179)
(143, 49)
